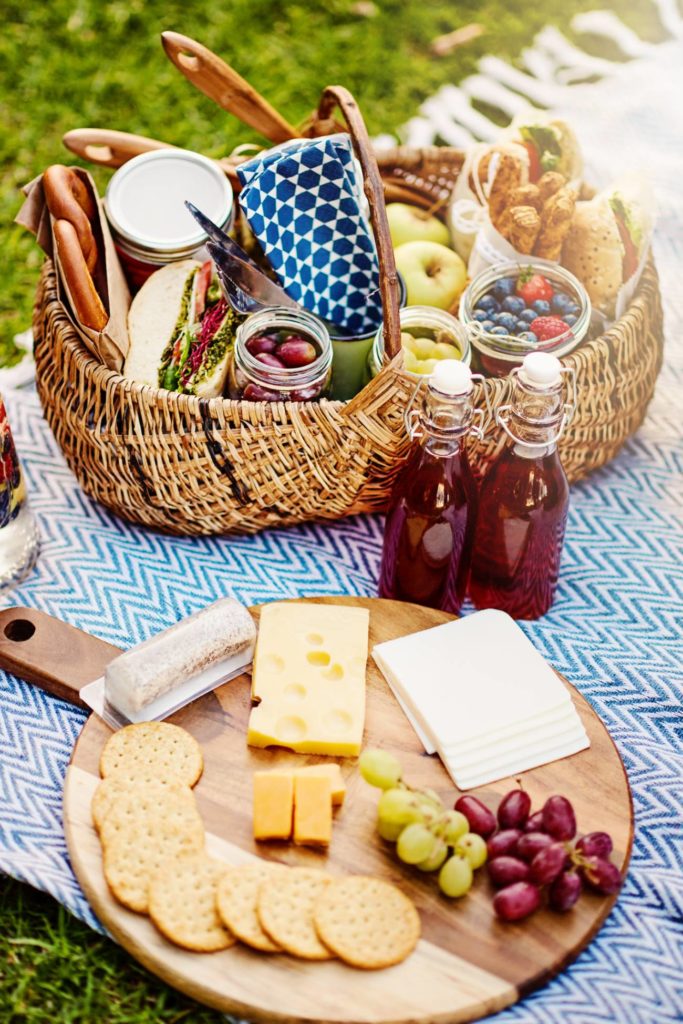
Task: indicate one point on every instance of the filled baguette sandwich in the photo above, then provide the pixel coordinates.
(181, 331)
(607, 239)
(550, 145)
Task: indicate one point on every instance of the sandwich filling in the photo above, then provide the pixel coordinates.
(204, 330)
(630, 232)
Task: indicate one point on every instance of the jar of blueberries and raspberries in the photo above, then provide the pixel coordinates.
(281, 355)
(512, 309)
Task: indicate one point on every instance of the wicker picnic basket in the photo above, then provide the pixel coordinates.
(192, 466)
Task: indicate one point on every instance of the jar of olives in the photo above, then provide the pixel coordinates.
(281, 355)
(428, 335)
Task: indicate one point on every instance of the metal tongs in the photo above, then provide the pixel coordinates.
(244, 284)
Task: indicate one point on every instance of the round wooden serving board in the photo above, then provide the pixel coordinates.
(467, 964)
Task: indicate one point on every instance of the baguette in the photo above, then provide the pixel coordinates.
(68, 198)
(86, 303)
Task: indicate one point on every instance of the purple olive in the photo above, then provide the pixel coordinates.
(535, 823)
(602, 875)
(270, 360)
(532, 843)
(503, 843)
(254, 393)
(297, 352)
(506, 870)
(481, 819)
(548, 864)
(559, 819)
(517, 901)
(305, 394)
(261, 343)
(513, 809)
(595, 844)
(565, 891)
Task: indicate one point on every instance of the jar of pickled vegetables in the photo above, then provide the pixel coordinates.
(428, 335)
(281, 355)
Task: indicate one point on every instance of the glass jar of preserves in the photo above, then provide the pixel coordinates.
(281, 355)
(428, 335)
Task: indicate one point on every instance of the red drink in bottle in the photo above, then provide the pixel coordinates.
(524, 499)
(429, 525)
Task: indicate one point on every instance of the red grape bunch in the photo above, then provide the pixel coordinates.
(528, 853)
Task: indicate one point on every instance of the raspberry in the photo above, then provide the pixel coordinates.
(547, 327)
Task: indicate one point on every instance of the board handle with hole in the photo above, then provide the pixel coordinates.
(51, 654)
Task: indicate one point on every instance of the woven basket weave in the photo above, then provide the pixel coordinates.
(193, 466)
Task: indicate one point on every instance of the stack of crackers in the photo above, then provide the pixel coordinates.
(155, 863)
(535, 219)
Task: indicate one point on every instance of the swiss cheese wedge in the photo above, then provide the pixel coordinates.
(309, 679)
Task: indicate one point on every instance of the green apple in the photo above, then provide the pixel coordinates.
(411, 224)
(434, 275)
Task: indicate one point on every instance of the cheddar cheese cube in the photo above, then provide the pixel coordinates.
(312, 810)
(273, 804)
(331, 772)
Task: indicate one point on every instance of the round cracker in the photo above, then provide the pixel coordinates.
(237, 899)
(118, 785)
(148, 806)
(166, 749)
(285, 911)
(182, 903)
(134, 856)
(367, 922)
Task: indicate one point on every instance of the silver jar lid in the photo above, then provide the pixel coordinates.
(145, 199)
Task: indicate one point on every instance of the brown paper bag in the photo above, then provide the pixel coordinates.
(110, 345)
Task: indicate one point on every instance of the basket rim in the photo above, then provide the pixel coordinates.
(108, 379)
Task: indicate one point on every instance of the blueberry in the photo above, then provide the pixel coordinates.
(487, 302)
(527, 315)
(506, 320)
(541, 307)
(487, 324)
(528, 336)
(506, 286)
(513, 304)
(573, 310)
(561, 303)
(498, 330)
(480, 315)
(570, 319)
(522, 325)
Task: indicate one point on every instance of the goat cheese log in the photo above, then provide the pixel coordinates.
(154, 668)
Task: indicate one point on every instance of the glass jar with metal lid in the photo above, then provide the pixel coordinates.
(428, 335)
(281, 355)
(145, 207)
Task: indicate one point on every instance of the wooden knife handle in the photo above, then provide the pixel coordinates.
(51, 654)
(221, 83)
(107, 147)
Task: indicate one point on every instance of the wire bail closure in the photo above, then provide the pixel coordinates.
(569, 408)
(412, 416)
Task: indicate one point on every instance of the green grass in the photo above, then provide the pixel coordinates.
(53, 968)
(76, 63)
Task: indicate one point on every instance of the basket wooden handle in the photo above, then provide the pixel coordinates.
(107, 147)
(221, 83)
(338, 96)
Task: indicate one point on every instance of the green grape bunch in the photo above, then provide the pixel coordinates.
(427, 835)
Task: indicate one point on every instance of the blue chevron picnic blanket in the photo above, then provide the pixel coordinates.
(616, 630)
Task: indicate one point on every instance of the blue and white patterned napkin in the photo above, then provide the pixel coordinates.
(303, 201)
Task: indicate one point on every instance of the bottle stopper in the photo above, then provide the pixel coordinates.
(451, 377)
(541, 369)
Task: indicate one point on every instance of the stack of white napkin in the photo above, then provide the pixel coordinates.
(477, 692)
